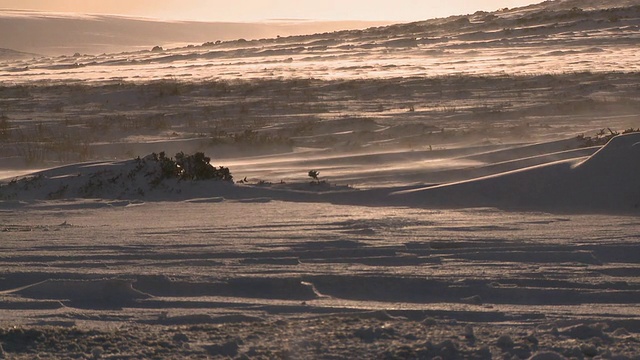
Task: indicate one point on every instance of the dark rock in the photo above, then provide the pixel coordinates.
(229, 348)
(505, 342)
(583, 332)
(180, 338)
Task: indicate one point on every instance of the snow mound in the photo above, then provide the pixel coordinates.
(154, 177)
(607, 181)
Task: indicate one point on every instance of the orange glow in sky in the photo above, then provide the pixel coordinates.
(258, 10)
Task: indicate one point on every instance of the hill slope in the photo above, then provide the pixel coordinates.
(58, 34)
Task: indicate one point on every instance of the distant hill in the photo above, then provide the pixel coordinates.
(66, 34)
(8, 54)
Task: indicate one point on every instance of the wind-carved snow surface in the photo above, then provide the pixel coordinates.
(606, 181)
(472, 195)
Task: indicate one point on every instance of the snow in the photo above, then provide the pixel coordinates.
(456, 214)
(606, 182)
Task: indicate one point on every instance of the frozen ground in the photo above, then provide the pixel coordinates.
(458, 213)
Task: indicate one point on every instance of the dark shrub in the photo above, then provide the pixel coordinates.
(190, 167)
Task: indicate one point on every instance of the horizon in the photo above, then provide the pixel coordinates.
(256, 11)
(8, 13)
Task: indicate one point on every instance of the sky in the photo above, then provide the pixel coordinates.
(261, 10)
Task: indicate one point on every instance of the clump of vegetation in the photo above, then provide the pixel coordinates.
(602, 137)
(314, 175)
(190, 167)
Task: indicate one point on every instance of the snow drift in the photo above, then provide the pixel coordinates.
(607, 181)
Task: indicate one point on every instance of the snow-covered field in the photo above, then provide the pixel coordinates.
(466, 204)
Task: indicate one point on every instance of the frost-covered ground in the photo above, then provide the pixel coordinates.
(457, 212)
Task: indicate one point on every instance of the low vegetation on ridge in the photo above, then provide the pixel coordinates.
(138, 178)
(602, 137)
(190, 167)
